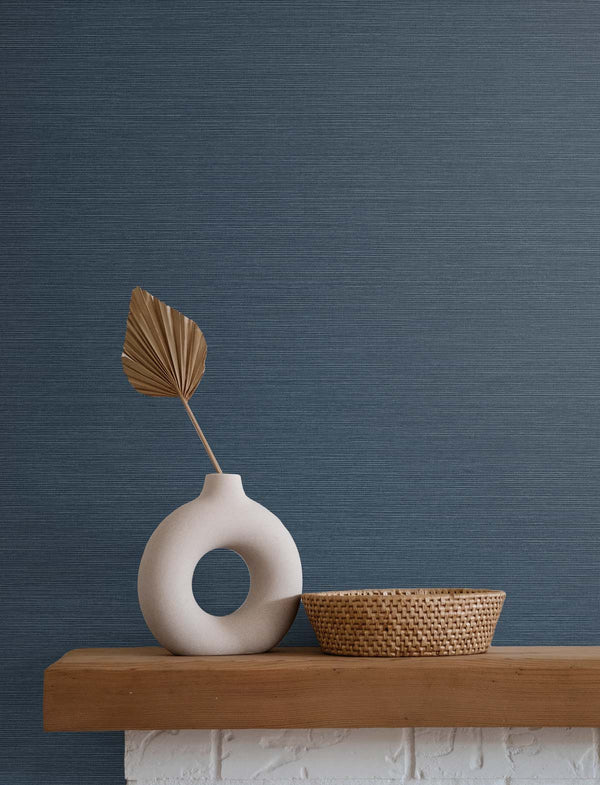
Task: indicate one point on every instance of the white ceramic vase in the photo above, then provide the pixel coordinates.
(221, 517)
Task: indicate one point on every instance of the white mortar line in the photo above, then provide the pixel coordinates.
(410, 756)
(216, 754)
(596, 753)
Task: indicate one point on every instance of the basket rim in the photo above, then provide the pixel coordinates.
(408, 593)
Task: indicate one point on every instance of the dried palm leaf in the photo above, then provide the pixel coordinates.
(164, 354)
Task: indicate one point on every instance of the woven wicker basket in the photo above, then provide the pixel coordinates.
(404, 622)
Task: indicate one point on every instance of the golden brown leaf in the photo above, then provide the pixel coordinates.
(164, 352)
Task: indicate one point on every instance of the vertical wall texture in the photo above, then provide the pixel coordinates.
(385, 217)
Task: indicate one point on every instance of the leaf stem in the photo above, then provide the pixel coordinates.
(209, 452)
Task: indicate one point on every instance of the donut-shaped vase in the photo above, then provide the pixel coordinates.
(221, 517)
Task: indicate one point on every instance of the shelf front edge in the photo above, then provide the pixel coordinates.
(127, 689)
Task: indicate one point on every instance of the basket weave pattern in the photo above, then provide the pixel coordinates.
(404, 622)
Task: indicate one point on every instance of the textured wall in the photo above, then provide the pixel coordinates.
(444, 756)
(385, 217)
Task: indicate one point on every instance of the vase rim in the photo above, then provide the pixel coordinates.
(219, 482)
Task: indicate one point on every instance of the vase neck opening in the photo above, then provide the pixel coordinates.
(223, 483)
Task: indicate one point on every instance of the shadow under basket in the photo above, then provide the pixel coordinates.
(404, 622)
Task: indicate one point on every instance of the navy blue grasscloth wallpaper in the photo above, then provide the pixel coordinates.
(386, 218)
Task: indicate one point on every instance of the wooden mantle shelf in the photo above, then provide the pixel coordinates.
(148, 688)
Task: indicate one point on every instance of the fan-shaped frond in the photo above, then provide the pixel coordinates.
(164, 352)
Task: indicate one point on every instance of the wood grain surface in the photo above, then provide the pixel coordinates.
(148, 688)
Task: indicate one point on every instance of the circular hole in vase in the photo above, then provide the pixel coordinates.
(221, 582)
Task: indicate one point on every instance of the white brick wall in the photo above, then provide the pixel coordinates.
(448, 756)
